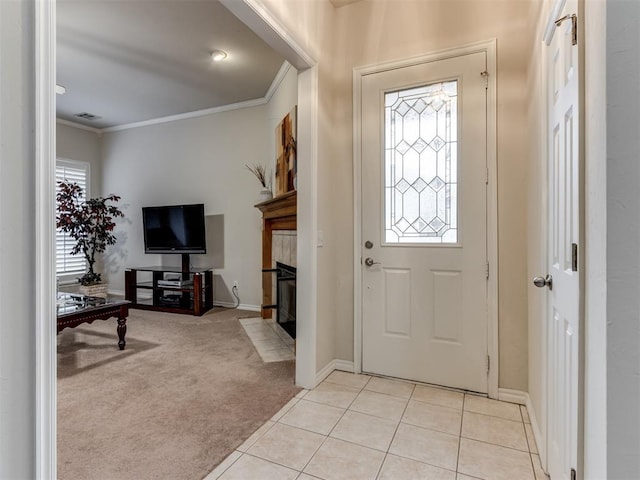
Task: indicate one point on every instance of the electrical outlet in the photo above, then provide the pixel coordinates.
(235, 283)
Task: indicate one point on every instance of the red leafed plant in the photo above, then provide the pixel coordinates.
(90, 223)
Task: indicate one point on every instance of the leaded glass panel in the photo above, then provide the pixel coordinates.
(421, 164)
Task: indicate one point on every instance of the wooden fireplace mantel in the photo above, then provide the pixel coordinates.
(279, 213)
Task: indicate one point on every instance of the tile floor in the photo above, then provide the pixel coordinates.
(270, 340)
(357, 427)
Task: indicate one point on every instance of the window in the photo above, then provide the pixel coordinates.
(68, 265)
(421, 184)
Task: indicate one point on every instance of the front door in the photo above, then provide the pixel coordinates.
(424, 222)
(563, 226)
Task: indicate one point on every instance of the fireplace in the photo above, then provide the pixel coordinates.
(286, 297)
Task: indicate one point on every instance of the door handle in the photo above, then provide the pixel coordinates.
(369, 262)
(543, 282)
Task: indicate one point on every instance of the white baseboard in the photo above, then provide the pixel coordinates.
(513, 396)
(343, 365)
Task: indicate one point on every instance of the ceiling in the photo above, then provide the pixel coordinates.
(136, 60)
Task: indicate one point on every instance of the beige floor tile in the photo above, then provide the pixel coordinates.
(379, 405)
(462, 476)
(306, 476)
(226, 463)
(537, 468)
(531, 440)
(316, 417)
(280, 355)
(251, 321)
(256, 435)
(495, 408)
(525, 414)
(365, 430)
(438, 396)
(495, 430)
(434, 417)
(396, 468)
(397, 388)
(251, 467)
(428, 446)
(338, 460)
(493, 462)
(348, 379)
(288, 446)
(302, 393)
(286, 408)
(333, 394)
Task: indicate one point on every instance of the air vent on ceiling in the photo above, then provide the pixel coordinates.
(87, 116)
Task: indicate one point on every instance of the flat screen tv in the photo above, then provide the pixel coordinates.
(174, 229)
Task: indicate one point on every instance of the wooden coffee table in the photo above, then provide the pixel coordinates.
(74, 309)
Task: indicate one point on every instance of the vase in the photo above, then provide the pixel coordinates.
(265, 194)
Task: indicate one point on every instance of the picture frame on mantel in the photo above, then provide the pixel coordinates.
(286, 153)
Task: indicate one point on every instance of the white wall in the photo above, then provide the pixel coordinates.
(17, 241)
(82, 145)
(623, 238)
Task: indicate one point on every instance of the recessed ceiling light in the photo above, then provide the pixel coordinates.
(218, 55)
(60, 90)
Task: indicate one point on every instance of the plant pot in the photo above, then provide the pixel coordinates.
(95, 290)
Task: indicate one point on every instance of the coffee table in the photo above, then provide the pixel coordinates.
(74, 309)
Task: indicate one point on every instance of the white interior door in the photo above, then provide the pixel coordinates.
(563, 223)
(424, 222)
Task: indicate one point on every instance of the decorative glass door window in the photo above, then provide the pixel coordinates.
(421, 164)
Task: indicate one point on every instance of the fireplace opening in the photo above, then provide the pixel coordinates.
(286, 297)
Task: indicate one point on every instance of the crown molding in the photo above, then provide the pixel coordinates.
(69, 123)
(277, 80)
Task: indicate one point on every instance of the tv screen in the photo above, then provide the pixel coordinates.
(174, 229)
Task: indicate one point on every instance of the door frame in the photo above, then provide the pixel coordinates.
(488, 47)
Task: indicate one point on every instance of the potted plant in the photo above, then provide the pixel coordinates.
(261, 174)
(90, 223)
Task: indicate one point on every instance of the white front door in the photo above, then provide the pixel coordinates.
(424, 222)
(563, 226)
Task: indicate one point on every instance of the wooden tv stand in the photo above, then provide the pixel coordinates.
(193, 298)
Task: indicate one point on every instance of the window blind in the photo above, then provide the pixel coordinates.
(67, 264)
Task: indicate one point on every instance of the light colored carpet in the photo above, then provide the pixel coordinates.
(184, 394)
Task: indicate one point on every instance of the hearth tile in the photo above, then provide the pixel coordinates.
(288, 446)
(484, 460)
(495, 408)
(434, 417)
(495, 430)
(379, 405)
(365, 430)
(316, 417)
(332, 394)
(280, 355)
(251, 467)
(438, 396)
(224, 465)
(338, 460)
(427, 446)
(388, 386)
(255, 436)
(395, 468)
(251, 321)
(348, 379)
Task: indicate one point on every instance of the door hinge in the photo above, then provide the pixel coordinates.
(574, 257)
(486, 271)
(486, 176)
(574, 474)
(574, 26)
(488, 364)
